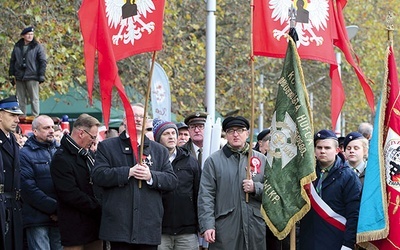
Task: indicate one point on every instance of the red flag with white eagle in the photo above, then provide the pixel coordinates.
(116, 29)
(319, 26)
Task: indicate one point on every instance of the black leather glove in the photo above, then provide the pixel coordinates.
(41, 79)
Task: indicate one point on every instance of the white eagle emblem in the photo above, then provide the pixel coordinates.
(130, 28)
(318, 16)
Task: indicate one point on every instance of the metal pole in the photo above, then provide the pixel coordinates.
(338, 129)
(210, 58)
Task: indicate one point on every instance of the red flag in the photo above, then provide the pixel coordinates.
(343, 43)
(113, 37)
(324, 29)
(392, 156)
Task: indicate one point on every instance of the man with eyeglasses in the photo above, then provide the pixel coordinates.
(149, 129)
(39, 210)
(132, 214)
(79, 210)
(195, 122)
(226, 220)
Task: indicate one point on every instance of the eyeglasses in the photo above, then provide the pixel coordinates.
(198, 126)
(139, 116)
(149, 129)
(91, 136)
(239, 131)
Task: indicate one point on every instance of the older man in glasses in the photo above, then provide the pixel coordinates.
(226, 220)
(79, 211)
(195, 122)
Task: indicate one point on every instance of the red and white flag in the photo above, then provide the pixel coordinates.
(116, 29)
(324, 28)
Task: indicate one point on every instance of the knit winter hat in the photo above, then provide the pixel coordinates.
(159, 126)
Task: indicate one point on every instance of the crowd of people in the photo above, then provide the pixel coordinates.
(68, 194)
(69, 190)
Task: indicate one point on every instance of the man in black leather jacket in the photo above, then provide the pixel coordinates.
(27, 69)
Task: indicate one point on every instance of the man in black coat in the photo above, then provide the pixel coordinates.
(180, 226)
(27, 69)
(79, 211)
(132, 216)
(10, 199)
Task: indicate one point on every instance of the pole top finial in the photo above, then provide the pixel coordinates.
(292, 16)
(390, 20)
(390, 26)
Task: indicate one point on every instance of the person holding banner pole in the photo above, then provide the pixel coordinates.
(335, 199)
(132, 216)
(226, 220)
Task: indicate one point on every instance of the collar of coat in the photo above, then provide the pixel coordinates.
(127, 147)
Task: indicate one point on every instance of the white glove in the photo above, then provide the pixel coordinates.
(345, 248)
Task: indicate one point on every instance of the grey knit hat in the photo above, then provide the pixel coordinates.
(159, 126)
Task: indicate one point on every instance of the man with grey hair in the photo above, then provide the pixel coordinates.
(365, 128)
(132, 188)
(79, 211)
(39, 210)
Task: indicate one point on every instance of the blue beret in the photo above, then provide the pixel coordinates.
(263, 133)
(324, 134)
(238, 121)
(350, 137)
(11, 105)
(26, 30)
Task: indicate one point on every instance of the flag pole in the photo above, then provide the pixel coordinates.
(292, 34)
(153, 59)
(248, 176)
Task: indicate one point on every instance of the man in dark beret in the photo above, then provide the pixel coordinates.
(263, 139)
(10, 198)
(27, 69)
(332, 221)
(223, 187)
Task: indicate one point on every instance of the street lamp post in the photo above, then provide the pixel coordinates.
(341, 122)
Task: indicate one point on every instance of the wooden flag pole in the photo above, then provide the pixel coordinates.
(292, 32)
(293, 238)
(145, 110)
(248, 176)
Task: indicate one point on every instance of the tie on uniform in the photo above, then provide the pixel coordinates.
(319, 184)
(199, 156)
